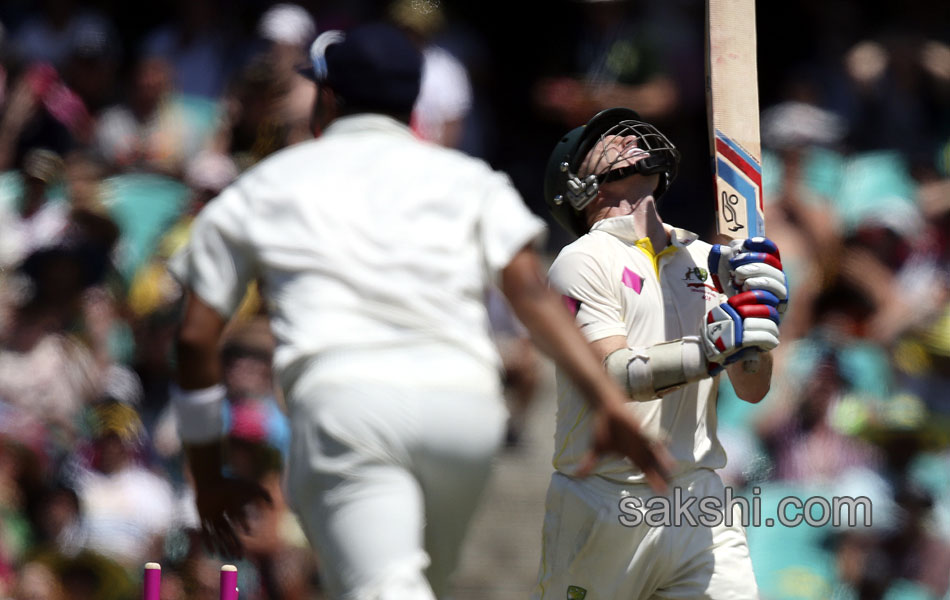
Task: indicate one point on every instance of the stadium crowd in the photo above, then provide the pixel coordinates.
(120, 121)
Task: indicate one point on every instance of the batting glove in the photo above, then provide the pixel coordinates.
(751, 264)
(747, 320)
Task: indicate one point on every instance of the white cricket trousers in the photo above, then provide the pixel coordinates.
(386, 475)
(587, 554)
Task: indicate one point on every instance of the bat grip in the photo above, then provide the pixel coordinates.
(750, 364)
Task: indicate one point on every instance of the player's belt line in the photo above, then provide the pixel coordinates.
(739, 158)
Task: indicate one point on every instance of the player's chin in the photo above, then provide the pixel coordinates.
(753, 398)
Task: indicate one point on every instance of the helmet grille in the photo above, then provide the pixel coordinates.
(627, 148)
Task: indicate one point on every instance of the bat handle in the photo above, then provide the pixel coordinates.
(750, 364)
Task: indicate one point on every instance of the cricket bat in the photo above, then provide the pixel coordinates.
(732, 107)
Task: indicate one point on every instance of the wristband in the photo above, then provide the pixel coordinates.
(200, 414)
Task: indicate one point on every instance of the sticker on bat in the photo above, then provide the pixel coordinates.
(728, 204)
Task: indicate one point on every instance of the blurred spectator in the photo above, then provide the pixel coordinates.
(20, 473)
(127, 509)
(57, 519)
(42, 111)
(900, 87)
(615, 63)
(799, 150)
(253, 124)
(38, 222)
(89, 223)
(154, 334)
(445, 96)
(892, 251)
(153, 131)
(196, 45)
(84, 172)
(906, 561)
(51, 34)
(802, 425)
(43, 370)
(84, 576)
(91, 64)
(37, 582)
(289, 29)
(153, 288)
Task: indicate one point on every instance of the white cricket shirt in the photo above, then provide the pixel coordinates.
(365, 238)
(616, 285)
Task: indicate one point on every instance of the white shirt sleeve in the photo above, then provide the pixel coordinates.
(591, 296)
(506, 224)
(217, 264)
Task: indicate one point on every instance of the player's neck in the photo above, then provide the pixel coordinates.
(646, 219)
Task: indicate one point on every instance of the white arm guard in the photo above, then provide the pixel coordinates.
(648, 373)
(200, 414)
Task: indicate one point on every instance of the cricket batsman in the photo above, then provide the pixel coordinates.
(644, 296)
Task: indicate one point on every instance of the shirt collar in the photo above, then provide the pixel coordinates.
(623, 229)
(680, 238)
(619, 227)
(367, 122)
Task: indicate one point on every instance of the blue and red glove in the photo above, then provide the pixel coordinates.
(747, 265)
(747, 320)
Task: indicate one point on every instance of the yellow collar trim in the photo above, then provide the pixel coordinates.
(646, 246)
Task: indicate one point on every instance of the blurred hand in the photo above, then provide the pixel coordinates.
(224, 506)
(22, 105)
(862, 269)
(223, 503)
(748, 320)
(616, 431)
(98, 313)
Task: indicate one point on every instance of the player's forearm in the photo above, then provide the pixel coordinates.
(650, 372)
(752, 387)
(199, 399)
(198, 370)
(198, 366)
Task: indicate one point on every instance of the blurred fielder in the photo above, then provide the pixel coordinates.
(643, 294)
(374, 251)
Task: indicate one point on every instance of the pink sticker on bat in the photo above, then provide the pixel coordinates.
(571, 304)
(632, 280)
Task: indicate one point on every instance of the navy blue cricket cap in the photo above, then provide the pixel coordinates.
(373, 66)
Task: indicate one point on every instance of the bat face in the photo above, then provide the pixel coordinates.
(733, 112)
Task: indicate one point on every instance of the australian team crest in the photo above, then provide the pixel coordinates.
(576, 592)
(696, 281)
(698, 273)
